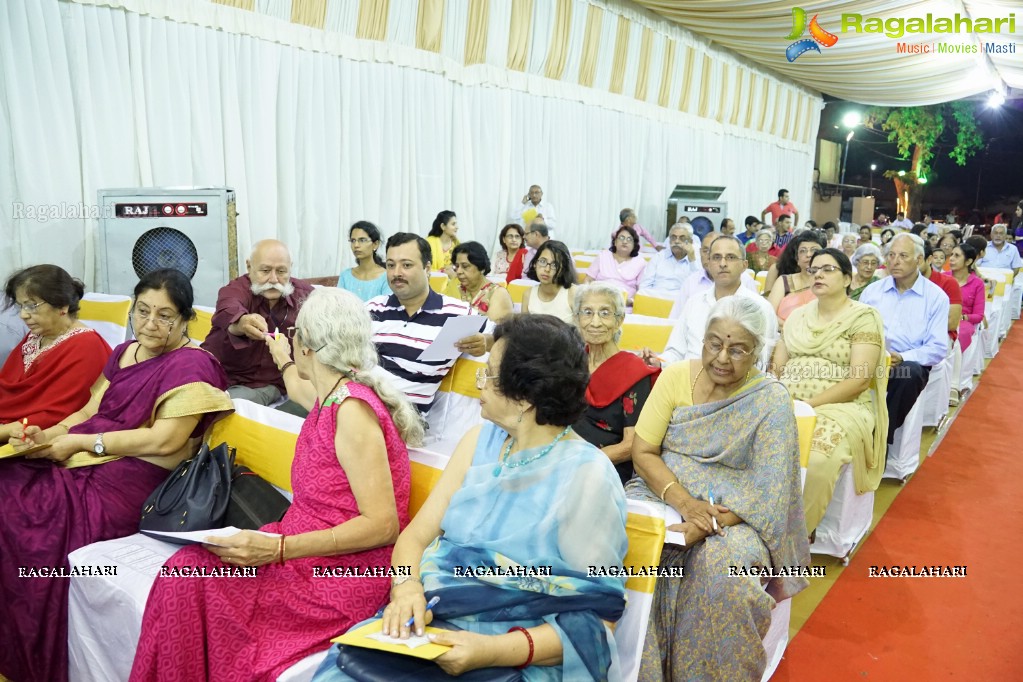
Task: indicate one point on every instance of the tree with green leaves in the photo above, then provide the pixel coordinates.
(918, 132)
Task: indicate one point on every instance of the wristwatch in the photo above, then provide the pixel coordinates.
(98, 445)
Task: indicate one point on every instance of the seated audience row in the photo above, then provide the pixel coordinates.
(147, 413)
(148, 410)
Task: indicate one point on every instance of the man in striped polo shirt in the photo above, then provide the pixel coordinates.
(408, 320)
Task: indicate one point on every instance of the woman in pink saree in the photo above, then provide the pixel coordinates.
(351, 480)
(148, 412)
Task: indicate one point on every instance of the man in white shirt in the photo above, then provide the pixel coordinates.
(727, 262)
(533, 206)
(1000, 253)
(702, 280)
(902, 222)
(665, 272)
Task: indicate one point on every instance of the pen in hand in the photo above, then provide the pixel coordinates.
(713, 519)
(24, 426)
(429, 605)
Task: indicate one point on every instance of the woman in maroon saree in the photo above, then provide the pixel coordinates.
(48, 374)
(148, 412)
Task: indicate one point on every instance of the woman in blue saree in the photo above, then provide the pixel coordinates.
(521, 491)
(717, 442)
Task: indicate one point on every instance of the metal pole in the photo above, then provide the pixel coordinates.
(845, 156)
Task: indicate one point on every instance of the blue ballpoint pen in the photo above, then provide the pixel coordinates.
(429, 605)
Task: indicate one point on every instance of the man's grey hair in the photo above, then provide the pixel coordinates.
(918, 243)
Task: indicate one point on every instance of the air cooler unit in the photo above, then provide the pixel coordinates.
(193, 230)
(700, 204)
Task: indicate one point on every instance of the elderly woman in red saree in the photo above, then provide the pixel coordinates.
(619, 380)
(717, 442)
(351, 479)
(48, 374)
(148, 412)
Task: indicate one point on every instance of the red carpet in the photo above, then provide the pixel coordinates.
(964, 506)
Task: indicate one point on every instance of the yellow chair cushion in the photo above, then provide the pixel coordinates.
(646, 539)
(200, 327)
(652, 336)
(115, 312)
(654, 306)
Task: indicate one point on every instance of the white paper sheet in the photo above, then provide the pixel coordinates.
(198, 537)
(455, 329)
(412, 642)
(672, 517)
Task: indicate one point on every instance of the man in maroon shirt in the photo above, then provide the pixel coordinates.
(261, 302)
(951, 288)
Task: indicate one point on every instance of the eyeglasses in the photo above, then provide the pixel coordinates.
(869, 262)
(624, 239)
(725, 257)
(360, 240)
(292, 333)
(735, 353)
(544, 263)
(29, 308)
(482, 376)
(813, 270)
(144, 315)
(603, 313)
(683, 240)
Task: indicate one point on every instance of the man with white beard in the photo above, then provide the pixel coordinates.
(261, 302)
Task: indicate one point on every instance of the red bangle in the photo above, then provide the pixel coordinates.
(529, 638)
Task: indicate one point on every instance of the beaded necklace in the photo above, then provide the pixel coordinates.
(504, 456)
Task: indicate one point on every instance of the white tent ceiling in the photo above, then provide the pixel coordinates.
(864, 67)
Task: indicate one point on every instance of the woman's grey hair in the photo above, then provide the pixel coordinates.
(865, 250)
(594, 289)
(746, 313)
(334, 323)
(761, 233)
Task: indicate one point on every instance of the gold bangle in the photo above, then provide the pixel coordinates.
(334, 539)
(664, 490)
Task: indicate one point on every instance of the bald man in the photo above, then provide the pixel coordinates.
(264, 300)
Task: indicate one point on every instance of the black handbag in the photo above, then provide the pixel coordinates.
(194, 496)
(372, 665)
(254, 501)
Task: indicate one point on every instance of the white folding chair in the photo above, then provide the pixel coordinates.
(904, 452)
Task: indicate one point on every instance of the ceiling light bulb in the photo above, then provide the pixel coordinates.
(852, 119)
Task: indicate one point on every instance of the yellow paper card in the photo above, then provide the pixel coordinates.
(528, 215)
(365, 637)
(9, 451)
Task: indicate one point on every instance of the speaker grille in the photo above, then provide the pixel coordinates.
(164, 247)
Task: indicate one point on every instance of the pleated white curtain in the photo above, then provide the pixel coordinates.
(95, 97)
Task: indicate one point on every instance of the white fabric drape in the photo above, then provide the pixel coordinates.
(94, 97)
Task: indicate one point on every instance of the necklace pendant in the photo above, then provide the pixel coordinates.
(497, 470)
